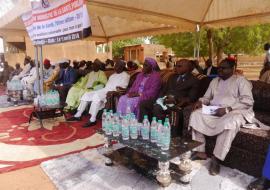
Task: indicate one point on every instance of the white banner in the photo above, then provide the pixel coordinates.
(57, 22)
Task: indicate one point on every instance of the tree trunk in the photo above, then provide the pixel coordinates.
(219, 54)
(210, 44)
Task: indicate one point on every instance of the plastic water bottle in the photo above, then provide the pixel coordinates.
(159, 132)
(145, 128)
(133, 127)
(153, 130)
(116, 125)
(108, 124)
(104, 120)
(57, 98)
(166, 135)
(125, 129)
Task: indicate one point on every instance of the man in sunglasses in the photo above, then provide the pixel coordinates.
(232, 96)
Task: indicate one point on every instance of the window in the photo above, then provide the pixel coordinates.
(102, 48)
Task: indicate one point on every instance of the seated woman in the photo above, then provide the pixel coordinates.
(145, 87)
(93, 81)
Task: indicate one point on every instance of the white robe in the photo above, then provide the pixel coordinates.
(98, 97)
(25, 72)
(115, 80)
(235, 92)
(29, 80)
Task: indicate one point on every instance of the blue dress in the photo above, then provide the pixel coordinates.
(266, 168)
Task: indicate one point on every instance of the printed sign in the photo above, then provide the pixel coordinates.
(57, 22)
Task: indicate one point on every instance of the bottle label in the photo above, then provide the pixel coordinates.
(154, 133)
(145, 132)
(133, 130)
(125, 132)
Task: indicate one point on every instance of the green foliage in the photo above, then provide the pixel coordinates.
(118, 46)
(247, 40)
(181, 43)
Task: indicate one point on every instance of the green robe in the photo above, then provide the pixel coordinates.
(92, 81)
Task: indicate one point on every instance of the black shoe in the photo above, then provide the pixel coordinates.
(89, 124)
(214, 167)
(259, 184)
(198, 156)
(74, 119)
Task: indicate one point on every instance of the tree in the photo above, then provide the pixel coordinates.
(181, 43)
(118, 46)
(246, 40)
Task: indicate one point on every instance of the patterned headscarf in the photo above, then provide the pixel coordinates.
(152, 62)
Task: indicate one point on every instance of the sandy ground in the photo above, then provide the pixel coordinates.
(32, 178)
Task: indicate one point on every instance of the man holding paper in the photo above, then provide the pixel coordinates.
(232, 96)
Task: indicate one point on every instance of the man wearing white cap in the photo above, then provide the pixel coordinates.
(29, 80)
(26, 69)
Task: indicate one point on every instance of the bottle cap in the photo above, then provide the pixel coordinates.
(145, 117)
(154, 118)
(159, 121)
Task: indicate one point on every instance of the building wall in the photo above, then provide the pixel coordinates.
(75, 50)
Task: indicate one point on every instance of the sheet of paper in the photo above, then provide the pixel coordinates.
(209, 110)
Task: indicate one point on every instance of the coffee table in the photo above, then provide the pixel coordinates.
(158, 162)
(46, 112)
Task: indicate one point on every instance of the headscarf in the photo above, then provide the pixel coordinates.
(47, 62)
(152, 62)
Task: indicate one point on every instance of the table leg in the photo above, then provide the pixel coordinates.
(30, 118)
(39, 118)
(163, 176)
(108, 147)
(185, 167)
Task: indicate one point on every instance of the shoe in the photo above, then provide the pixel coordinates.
(259, 184)
(214, 167)
(198, 156)
(89, 124)
(74, 119)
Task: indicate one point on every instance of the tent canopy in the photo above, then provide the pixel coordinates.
(121, 19)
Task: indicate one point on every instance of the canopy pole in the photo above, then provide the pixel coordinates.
(41, 69)
(199, 42)
(37, 68)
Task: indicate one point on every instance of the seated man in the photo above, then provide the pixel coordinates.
(95, 80)
(180, 90)
(47, 72)
(48, 83)
(209, 68)
(98, 97)
(145, 87)
(17, 71)
(7, 71)
(29, 80)
(233, 97)
(263, 182)
(26, 69)
(65, 80)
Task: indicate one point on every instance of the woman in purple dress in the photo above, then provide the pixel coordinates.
(146, 86)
